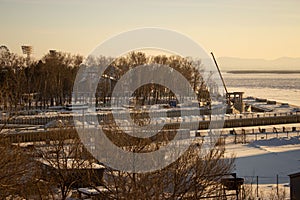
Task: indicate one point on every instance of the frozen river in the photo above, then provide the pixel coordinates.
(279, 87)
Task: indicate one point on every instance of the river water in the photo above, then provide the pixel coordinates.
(280, 87)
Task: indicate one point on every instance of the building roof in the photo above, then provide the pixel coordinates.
(294, 175)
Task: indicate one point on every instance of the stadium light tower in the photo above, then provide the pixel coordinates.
(27, 50)
(52, 52)
(4, 48)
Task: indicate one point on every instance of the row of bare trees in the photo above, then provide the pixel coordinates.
(191, 69)
(50, 80)
(31, 83)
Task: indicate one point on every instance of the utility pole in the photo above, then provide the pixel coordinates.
(277, 182)
(257, 186)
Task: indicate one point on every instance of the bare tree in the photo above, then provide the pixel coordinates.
(190, 177)
(49, 81)
(66, 164)
(19, 173)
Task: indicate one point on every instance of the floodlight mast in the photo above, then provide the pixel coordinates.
(52, 52)
(27, 50)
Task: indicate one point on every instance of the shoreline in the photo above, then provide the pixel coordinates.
(291, 96)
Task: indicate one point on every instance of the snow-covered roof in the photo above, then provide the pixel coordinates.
(70, 164)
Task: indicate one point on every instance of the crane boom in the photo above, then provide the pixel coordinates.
(219, 72)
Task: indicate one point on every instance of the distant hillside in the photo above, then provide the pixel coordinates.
(283, 63)
(264, 71)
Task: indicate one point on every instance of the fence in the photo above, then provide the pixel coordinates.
(249, 134)
(263, 187)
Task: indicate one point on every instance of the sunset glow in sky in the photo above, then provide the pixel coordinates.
(248, 29)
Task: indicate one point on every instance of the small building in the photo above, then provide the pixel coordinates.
(235, 99)
(295, 186)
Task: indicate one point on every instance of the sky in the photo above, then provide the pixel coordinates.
(266, 29)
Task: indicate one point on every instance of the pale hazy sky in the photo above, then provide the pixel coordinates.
(239, 28)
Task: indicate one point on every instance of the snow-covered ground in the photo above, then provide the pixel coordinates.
(267, 159)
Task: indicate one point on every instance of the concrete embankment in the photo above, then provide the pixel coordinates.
(256, 120)
(241, 120)
(263, 119)
(27, 133)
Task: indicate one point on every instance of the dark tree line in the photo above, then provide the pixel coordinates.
(30, 83)
(49, 82)
(152, 93)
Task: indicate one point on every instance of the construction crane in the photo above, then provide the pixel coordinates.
(234, 98)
